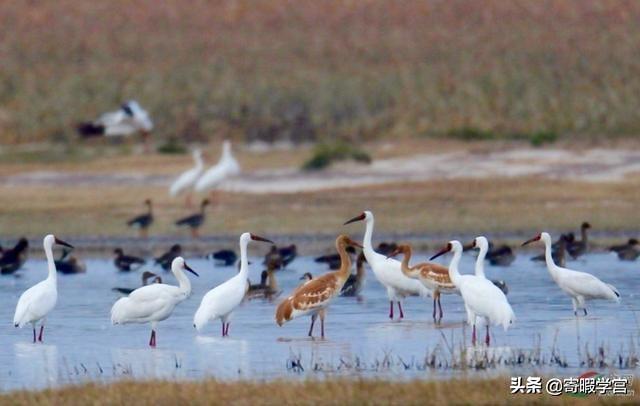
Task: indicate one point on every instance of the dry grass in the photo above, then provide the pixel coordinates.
(276, 68)
(334, 392)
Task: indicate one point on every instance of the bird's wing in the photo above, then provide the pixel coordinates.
(316, 292)
(185, 181)
(587, 285)
(187, 220)
(34, 304)
(211, 177)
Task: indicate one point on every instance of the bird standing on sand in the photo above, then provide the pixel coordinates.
(143, 221)
(155, 302)
(39, 300)
(313, 297)
(185, 182)
(481, 297)
(580, 286)
(387, 270)
(221, 301)
(167, 258)
(126, 263)
(194, 221)
(12, 259)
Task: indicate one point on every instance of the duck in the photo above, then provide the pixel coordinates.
(354, 284)
(314, 296)
(280, 258)
(129, 119)
(580, 286)
(146, 277)
(267, 288)
(333, 260)
(194, 221)
(627, 252)
(186, 181)
(69, 264)
(433, 276)
(35, 303)
(14, 258)
(223, 257)
(500, 256)
(579, 248)
(126, 263)
(143, 221)
(167, 258)
(221, 301)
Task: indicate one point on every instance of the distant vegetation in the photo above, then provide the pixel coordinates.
(324, 154)
(276, 70)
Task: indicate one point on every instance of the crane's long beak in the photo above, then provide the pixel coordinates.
(442, 252)
(359, 217)
(188, 268)
(258, 238)
(60, 242)
(529, 241)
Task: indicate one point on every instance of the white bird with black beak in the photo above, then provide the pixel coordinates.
(154, 303)
(222, 300)
(39, 300)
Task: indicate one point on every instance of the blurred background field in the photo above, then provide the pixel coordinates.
(361, 70)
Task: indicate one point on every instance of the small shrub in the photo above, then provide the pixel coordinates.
(325, 154)
(543, 137)
(172, 146)
(471, 134)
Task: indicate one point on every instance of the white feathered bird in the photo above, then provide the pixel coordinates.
(388, 271)
(188, 179)
(481, 297)
(39, 300)
(154, 303)
(580, 286)
(128, 120)
(222, 300)
(226, 167)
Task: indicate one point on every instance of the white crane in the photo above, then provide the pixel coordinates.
(481, 297)
(154, 303)
(222, 300)
(37, 302)
(580, 286)
(226, 167)
(388, 270)
(188, 179)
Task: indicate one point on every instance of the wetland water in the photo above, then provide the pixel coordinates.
(81, 345)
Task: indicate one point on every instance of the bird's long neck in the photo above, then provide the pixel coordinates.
(244, 261)
(149, 209)
(404, 265)
(53, 273)
(183, 281)
(366, 242)
(198, 160)
(273, 283)
(480, 261)
(345, 262)
(584, 233)
(454, 273)
(548, 257)
(360, 266)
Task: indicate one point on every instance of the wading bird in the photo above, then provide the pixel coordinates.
(12, 259)
(126, 263)
(194, 221)
(333, 260)
(154, 303)
(580, 286)
(355, 283)
(313, 297)
(186, 181)
(226, 167)
(143, 221)
(558, 250)
(221, 301)
(267, 288)
(146, 275)
(481, 297)
(483, 246)
(387, 270)
(434, 277)
(67, 264)
(37, 302)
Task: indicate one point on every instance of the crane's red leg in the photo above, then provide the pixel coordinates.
(400, 308)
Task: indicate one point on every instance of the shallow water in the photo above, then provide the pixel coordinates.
(80, 343)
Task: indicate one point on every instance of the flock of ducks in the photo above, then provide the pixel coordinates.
(485, 301)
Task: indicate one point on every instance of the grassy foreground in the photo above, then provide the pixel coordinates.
(455, 391)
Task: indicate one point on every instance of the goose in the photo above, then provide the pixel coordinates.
(354, 284)
(39, 300)
(558, 250)
(143, 221)
(14, 258)
(578, 248)
(500, 256)
(126, 263)
(146, 276)
(167, 258)
(387, 270)
(333, 260)
(186, 181)
(627, 252)
(481, 297)
(194, 221)
(314, 296)
(580, 286)
(69, 264)
(224, 257)
(155, 302)
(267, 288)
(226, 167)
(221, 301)
(279, 258)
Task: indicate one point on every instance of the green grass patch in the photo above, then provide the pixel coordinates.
(324, 154)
